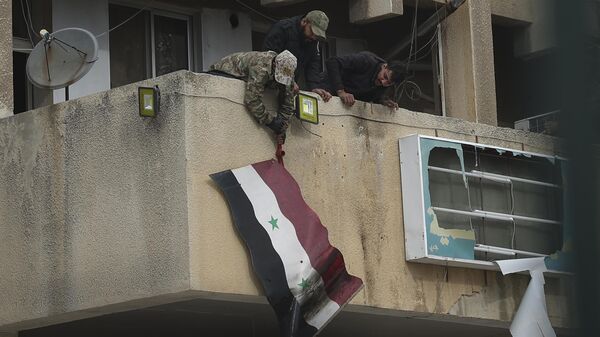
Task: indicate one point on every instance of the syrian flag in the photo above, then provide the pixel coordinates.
(303, 276)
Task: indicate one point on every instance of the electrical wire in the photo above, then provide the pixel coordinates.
(432, 39)
(423, 127)
(307, 130)
(470, 206)
(147, 6)
(413, 35)
(512, 211)
(31, 21)
(27, 24)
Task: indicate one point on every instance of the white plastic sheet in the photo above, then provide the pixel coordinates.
(531, 319)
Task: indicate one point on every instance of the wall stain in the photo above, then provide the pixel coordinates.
(420, 297)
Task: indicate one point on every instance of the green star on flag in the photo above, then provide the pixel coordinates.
(273, 223)
(304, 284)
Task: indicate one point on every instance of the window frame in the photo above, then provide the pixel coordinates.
(413, 203)
(23, 46)
(168, 14)
(175, 13)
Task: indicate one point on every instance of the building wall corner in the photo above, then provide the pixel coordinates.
(6, 66)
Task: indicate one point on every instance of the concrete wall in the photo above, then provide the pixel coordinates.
(220, 38)
(468, 62)
(102, 211)
(511, 12)
(92, 206)
(541, 35)
(6, 63)
(93, 16)
(365, 11)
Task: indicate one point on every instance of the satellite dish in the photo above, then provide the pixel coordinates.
(62, 58)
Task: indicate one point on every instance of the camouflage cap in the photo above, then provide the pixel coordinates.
(285, 67)
(319, 22)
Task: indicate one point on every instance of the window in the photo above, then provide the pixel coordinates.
(527, 93)
(28, 17)
(469, 204)
(151, 43)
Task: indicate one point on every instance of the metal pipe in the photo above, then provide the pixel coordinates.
(474, 174)
(513, 217)
(521, 180)
(486, 249)
(505, 251)
(501, 178)
(494, 215)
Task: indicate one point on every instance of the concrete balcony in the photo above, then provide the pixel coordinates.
(104, 212)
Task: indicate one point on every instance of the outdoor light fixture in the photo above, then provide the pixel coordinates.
(149, 101)
(307, 108)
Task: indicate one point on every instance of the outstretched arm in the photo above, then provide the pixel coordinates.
(255, 88)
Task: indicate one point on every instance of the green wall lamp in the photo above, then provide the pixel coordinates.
(149, 101)
(307, 108)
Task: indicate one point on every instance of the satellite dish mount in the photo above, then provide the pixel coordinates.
(62, 58)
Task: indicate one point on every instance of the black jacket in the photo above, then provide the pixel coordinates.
(356, 74)
(287, 34)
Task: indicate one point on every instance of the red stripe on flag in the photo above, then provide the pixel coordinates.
(325, 259)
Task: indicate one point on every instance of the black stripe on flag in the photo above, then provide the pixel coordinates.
(265, 260)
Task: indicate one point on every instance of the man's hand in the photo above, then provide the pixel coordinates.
(278, 125)
(347, 99)
(280, 138)
(390, 104)
(325, 95)
(295, 88)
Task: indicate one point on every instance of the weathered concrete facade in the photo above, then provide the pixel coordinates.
(104, 211)
(6, 66)
(468, 57)
(365, 11)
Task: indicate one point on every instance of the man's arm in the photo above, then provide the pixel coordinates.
(276, 38)
(313, 68)
(386, 97)
(255, 88)
(286, 102)
(336, 66)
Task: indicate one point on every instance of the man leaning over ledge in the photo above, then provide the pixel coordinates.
(363, 76)
(300, 35)
(261, 70)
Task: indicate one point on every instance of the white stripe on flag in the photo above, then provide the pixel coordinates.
(296, 262)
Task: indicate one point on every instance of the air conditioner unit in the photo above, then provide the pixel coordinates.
(545, 123)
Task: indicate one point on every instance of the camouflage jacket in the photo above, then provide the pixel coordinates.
(256, 68)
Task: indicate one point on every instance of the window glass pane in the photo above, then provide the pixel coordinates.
(129, 46)
(171, 44)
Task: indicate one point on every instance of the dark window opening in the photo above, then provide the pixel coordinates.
(21, 85)
(26, 23)
(170, 44)
(420, 91)
(129, 47)
(147, 45)
(19, 25)
(527, 90)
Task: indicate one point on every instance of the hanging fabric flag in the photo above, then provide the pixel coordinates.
(303, 276)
